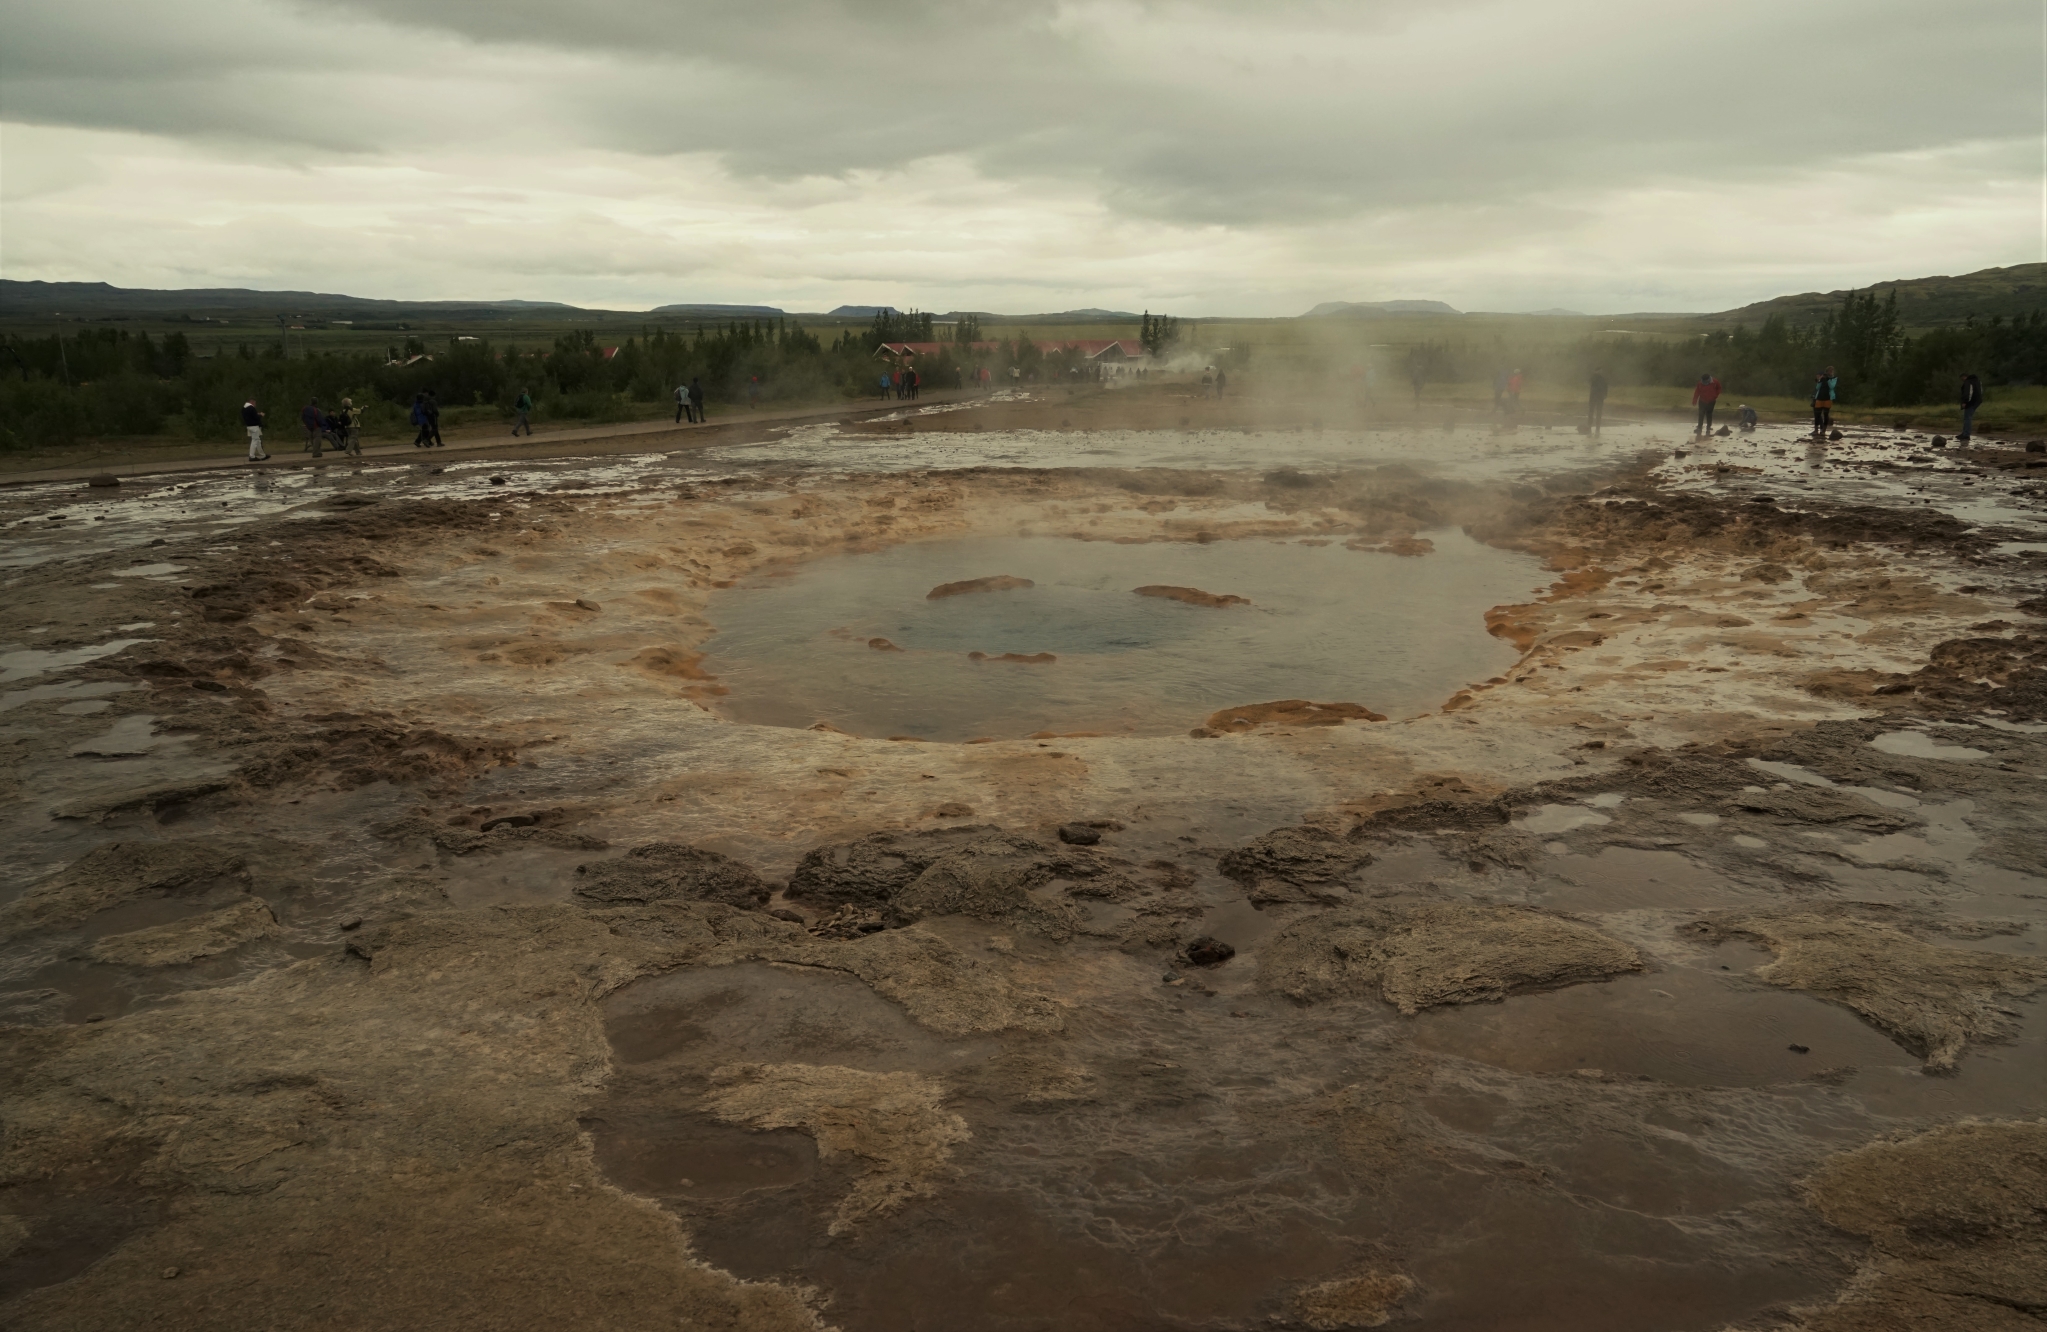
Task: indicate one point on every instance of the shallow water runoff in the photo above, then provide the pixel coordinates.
(860, 642)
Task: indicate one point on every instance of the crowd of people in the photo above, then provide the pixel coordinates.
(341, 428)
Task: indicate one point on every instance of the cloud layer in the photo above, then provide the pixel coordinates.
(1212, 158)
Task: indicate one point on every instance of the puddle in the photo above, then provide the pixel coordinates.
(1918, 744)
(127, 737)
(69, 689)
(1678, 1026)
(22, 663)
(1548, 819)
(1791, 772)
(1328, 624)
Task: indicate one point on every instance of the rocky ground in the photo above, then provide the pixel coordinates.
(397, 934)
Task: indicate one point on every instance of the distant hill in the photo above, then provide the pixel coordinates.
(98, 299)
(1922, 302)
(862, 311)
(719, 311)
(1341, 309)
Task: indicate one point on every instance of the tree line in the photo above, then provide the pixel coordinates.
(1879, 363)
(101, 382)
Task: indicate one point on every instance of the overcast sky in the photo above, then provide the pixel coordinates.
(1022, 155)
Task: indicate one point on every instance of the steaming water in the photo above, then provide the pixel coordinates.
(1397, 634)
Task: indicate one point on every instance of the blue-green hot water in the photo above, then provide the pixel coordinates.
(1397, 634)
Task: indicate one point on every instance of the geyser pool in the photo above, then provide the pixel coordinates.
(1397, 634)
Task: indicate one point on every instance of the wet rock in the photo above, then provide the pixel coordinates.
(186, 941)
(348, 924)
(1933, 999)
(1420, 956)
(123, 872)
(104, 480)
(1295, 865)
(976, 870)
(500, 480)
(953, 809)
(1939, 441)
(1192, 596)
(996, 583)
(1821, 805)
(671, 871)
(508, 821)
(891, 1127)
(1289, 712)
(793, 917)
(1367, 1300)
(210, 686)
(501, 835)
(2036, 446)
(1079, 834)
(882, 645)
(1208, 951)
(584, 603)
(1030, 659)
(1956, 1220)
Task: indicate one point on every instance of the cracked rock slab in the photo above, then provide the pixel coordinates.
(1422, 956)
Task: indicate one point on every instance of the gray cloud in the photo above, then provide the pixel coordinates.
(1201, 111)
(1395, 137)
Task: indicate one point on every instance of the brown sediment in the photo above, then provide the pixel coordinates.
(1404, 545)
(1289, 712)
(1193, 596)
(1420, 956)
(277, 990)
(1932, 998)
(1956, 1219)
(996, 583)
(1028, 659)
(882, 645)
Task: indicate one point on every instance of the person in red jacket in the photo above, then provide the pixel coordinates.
(1704, 395)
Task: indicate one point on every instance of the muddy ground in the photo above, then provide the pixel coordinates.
(396, 933)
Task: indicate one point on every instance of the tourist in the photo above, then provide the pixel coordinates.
(1704, 394)
(1514, 382)
(1824, 386)
(753, 393)
(1595, 405)
(696, 399)
(433, 419)
(349, 421)
(1746, 415)
(1499, 388)
(419, 419)
(309, 417)
(522, 414)
(886, 383)
(252, 421)
(682, 411)
(1222, 381)
(1972, 398)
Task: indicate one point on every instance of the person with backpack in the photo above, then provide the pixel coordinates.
(682, 408)
(696, 398)
(1972, 398)
(433, 420)
(252, 421)
(1824, 387)
(419, 420)
(522, 412)
(348, 421)
(1704, 394)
